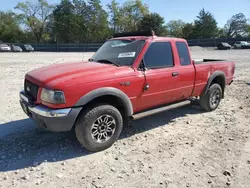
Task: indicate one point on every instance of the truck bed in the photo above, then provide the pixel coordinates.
(200, 61)
(206, 67)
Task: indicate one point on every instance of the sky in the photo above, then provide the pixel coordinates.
(186, 10)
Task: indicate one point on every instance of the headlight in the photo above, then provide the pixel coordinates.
(51, 96)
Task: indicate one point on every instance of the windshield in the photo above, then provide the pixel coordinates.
(121, 52)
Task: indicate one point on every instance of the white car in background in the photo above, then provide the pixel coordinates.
(241, 45)
(5, 48)
(15, 48)
(248, 44)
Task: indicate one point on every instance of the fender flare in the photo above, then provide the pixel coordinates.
(210, 80)
(107, 91)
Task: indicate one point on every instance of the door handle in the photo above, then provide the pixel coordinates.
(175, 74)
(146, 87)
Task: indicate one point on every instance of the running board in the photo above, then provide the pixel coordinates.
(161, 109)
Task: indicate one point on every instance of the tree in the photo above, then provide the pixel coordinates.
(221, 33)
(236, 26)
(175, 28)
(132, 13)
(153, 21)
(34, 16)
(248, 30)
(205, 26)
(9, 28)
(187, 31)
(115, 16)
(67, 24)
(77, 21)
(97, 23)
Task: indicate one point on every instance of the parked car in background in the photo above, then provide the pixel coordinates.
(224, 46)
(241, 45)
(27, 48)
(4, 48)
(15, 48)
(248, 46)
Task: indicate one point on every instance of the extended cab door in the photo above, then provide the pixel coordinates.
(161, 76)
(186, 69)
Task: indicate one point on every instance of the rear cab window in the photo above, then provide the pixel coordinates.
(183, 53)
(159, 55)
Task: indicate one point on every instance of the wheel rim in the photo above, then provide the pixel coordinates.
(103, 128)
(215, 98)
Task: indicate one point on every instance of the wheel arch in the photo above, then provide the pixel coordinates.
(218, 77)
(110, 95)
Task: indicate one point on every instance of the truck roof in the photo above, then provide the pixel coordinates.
(142, 35)
(160, 38)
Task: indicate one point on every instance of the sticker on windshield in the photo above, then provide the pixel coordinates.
(127, 54)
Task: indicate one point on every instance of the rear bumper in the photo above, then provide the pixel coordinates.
(55, 120)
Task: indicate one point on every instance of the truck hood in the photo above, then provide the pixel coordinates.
(68, 74)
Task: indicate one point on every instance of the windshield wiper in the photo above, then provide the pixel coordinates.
(108, 61)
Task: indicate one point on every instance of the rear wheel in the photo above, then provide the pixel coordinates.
(99, 127)
(211, 100)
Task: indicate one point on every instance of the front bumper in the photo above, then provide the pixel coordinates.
(56, 120)
(5, 50)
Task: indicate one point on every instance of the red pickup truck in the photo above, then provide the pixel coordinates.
(132, 73)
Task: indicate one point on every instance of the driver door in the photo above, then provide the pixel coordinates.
(161, 77)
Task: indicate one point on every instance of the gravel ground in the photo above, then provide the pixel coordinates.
(184, 147)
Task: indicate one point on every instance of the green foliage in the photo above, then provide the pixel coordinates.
(9, 28)
(78, 21)
(221, 33)
(248, 30)
(187, 31)
(97, 23)
(236, 26)
(86, 21)
(34, 16)
(153, 21)
(116, 16)
(132, 13)
(205, 26)
(67, 24)
(175, 28)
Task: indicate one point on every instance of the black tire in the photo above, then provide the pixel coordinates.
(211, 100)
(84, 127)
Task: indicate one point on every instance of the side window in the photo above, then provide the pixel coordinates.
(183, 53)
(159, 55)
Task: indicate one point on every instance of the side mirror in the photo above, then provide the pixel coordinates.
(142, 66)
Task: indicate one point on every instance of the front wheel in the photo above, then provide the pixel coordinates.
(211, 100)
(99, 127)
